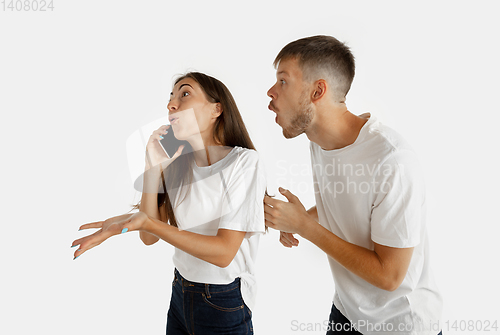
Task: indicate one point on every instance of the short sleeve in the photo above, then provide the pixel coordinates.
(243, 199)
(397, 212)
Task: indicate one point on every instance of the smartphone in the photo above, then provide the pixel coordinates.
(170, 143)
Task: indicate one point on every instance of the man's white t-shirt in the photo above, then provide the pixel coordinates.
(228, 194)
(373, 191)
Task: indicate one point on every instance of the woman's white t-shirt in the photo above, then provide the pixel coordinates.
(228, 194)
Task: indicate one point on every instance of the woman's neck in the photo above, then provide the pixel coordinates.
(207, 152)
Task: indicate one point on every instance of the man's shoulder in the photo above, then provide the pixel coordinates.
(393, 150)
(386, 141)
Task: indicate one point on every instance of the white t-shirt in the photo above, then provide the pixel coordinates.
(373, 191)
(228, 194)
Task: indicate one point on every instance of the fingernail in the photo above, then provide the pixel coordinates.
(74, 245)
(79, 250)
(161, 137)
(80, 229)
(124, 230)
(76, 257)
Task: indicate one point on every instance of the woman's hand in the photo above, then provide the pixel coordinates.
(155, 151)
(288, 240)
(112, 226)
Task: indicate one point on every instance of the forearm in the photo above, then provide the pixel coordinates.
(212, 249)
(362, 262)
(149, 201)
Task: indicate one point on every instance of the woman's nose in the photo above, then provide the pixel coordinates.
(171, 106)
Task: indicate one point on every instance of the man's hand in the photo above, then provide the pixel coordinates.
(110, 227)
(289, 217)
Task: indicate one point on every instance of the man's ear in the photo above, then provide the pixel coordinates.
(217, 110)
(319, 91)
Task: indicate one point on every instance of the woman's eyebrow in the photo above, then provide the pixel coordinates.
(171, 93)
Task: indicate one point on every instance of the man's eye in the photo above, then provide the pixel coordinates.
(282, 81)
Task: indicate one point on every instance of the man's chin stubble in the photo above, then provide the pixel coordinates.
(288, 134)
(299, 125)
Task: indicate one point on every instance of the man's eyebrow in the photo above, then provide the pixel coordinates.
(282, 72)
(171, 93)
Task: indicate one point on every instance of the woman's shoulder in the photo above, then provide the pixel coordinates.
(247, 155)
(248, 162)
(248, 159)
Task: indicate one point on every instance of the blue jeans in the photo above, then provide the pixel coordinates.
(197, 308)
(341, 325)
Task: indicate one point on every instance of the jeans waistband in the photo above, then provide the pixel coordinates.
(205, 288)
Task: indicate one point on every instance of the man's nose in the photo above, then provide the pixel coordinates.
(271, 93)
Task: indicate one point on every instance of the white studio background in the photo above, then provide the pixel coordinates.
(77, 81)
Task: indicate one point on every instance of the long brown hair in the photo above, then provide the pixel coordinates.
(229, 130)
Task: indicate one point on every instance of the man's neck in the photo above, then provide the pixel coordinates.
(335, 128)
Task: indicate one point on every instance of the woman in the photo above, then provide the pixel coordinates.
(213, 203)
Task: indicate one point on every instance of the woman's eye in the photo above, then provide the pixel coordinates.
(184, 94)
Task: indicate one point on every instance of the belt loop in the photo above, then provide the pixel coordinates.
(207, 291)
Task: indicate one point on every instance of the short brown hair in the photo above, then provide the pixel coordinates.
(322, 56)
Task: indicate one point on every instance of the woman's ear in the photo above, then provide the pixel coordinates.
(217, 110)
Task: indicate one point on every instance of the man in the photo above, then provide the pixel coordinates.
(369, 216)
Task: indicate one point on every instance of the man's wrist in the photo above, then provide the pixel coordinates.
(307, 226)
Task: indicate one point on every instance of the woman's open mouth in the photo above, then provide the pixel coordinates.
(172, 119)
